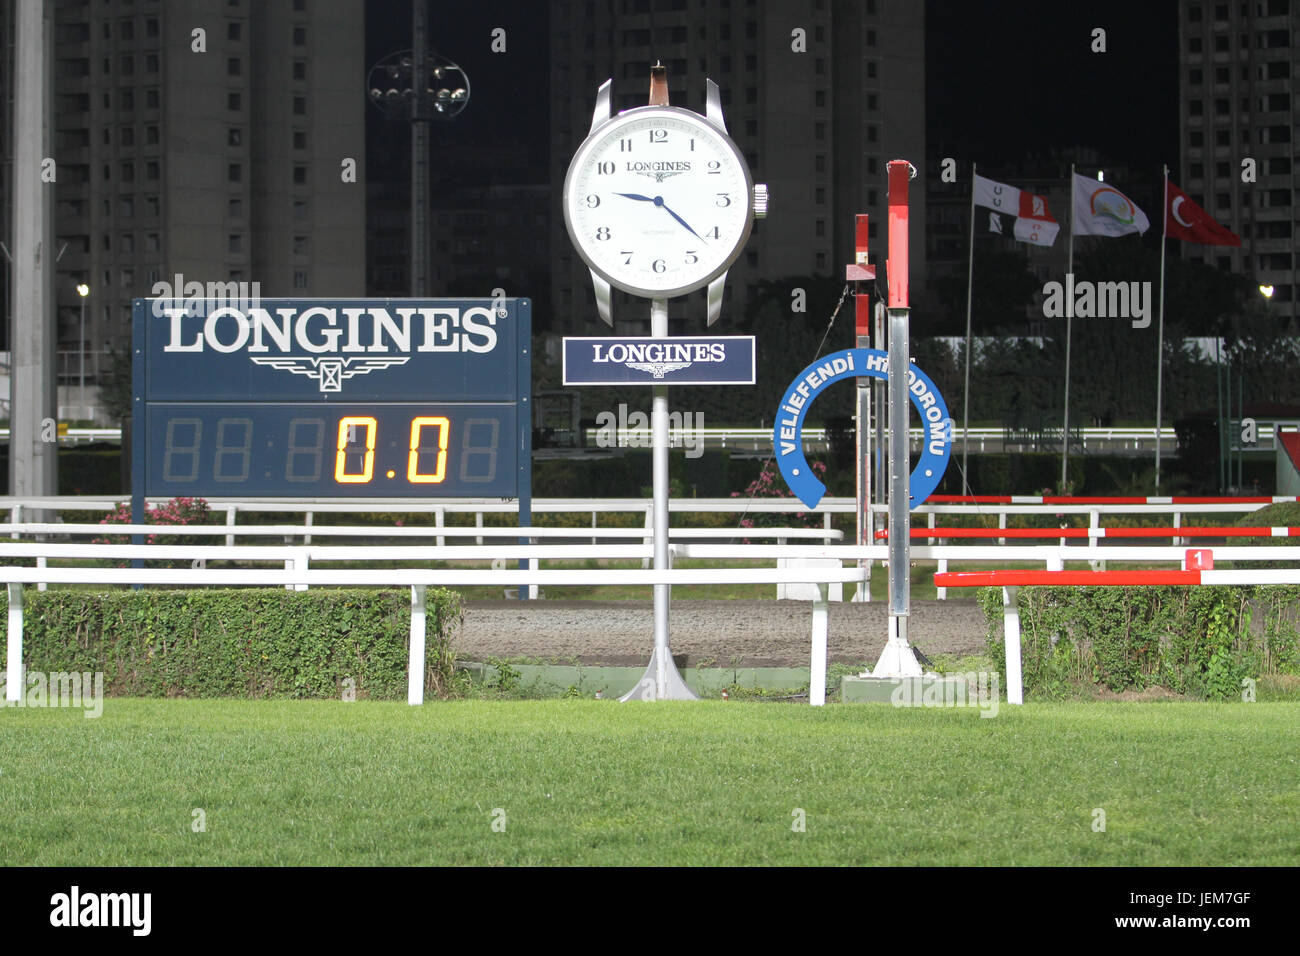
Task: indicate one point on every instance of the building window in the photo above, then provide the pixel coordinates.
(300, 175)
(300, 245)
(300, 105)
(299, 139)
(235, 209)
(128, 136)
(126, 100)
(232, 101)
(233, 66)
(151, 169)
(151, 99)
(151, 62)
(299, 36)
(151, 242)
(234, 30)
(300, 69)
(151, 27)
(235, 243)
(234, 173)
(151, 135)
(234, 136)
(300, 280)
(126, 30)
(126, 65)
(151, 205)
(300, 209)
(126, 206)
(128, 172)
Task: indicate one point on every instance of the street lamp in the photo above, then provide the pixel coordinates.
(83, 290)
(423, 88)
(1266, 291)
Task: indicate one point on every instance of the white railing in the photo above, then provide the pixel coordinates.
(816, 565)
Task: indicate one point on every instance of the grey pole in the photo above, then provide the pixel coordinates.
(970, 278)
(1069, 319)
(1160, 330)
(81, 359)
(662, 680)
(33, 463)
(419, 151)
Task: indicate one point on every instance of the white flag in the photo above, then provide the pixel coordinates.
(1033, 221)
(1102, 210)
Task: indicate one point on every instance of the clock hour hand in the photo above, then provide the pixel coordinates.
(637, 196)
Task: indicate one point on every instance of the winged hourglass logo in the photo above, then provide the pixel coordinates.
(329, 372)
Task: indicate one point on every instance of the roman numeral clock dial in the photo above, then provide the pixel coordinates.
(659, 201)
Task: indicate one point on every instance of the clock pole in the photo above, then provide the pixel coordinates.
(661, 672)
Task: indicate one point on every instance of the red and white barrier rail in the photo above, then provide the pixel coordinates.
(1082, 500)
(1012, 580)
(1208, 531)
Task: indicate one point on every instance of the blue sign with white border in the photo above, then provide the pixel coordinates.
(679, 360)
(787, 433)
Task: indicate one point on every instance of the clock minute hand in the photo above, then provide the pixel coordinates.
(684, 223)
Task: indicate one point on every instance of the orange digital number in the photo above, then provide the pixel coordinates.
(340, 460)
(418, 425)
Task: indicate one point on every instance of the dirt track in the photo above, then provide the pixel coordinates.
(743, 633)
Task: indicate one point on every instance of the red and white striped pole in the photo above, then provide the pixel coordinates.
(858, 272)
(897, 659)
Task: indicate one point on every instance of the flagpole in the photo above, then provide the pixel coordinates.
(1069, 316)
(1160, 328)
(970, 273)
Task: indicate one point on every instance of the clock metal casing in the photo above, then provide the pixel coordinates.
(706, 217)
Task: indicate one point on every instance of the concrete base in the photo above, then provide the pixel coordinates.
(860, 690)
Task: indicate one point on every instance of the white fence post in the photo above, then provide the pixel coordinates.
(817, 664)
(438, 517)
(1011, 641)
(230, 523)
(415, 667)
(14, 675)
(306, 538)
(941, 594)
(478, 523)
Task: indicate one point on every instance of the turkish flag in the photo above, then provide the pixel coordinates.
(1188, 221)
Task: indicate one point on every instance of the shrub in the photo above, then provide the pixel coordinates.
(247, 642)
(1193, 640)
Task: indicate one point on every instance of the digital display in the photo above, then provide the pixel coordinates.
(320, 398)
(370, 450)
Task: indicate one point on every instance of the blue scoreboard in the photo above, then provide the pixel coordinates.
(332, 398)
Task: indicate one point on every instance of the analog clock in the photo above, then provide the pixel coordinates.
(659, 201)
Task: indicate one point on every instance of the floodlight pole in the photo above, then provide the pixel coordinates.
(897, 659)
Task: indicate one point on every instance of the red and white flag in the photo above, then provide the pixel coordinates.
(1187, 221)
(1032, 219)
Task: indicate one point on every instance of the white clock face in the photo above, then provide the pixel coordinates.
(657, 201)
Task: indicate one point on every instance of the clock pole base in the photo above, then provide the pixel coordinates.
(649, 687)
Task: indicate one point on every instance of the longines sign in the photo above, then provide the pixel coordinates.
(333, 349)
(679, 360)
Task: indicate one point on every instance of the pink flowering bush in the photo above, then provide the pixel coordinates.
(178, 511)
(770, 484)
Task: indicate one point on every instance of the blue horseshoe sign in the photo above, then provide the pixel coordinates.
(787, 433)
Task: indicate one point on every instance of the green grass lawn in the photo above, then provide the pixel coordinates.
(596, 782)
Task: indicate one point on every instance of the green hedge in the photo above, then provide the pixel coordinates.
(1200, 641)
(250, 642)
